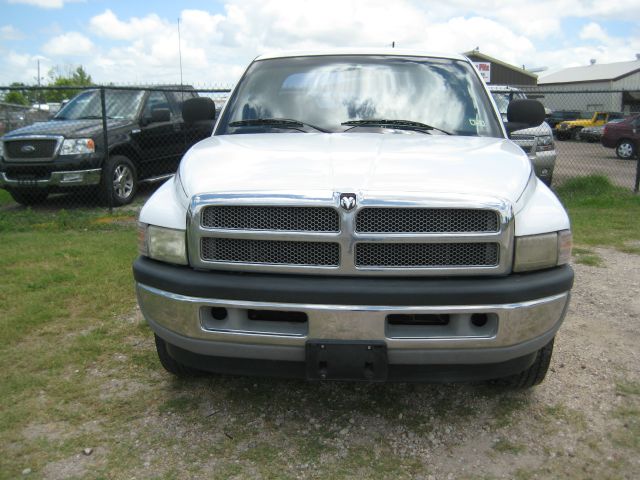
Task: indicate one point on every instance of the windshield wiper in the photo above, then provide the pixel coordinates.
(275, 122)
(400, 124)
(93, 117)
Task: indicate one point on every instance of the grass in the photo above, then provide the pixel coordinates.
(505, 446)
(602, 214)
(588, 257)
(79, 370)
(5, 198)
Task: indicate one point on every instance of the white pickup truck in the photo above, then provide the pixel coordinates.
(357, 215)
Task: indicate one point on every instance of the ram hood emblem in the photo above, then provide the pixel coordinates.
(348, 201)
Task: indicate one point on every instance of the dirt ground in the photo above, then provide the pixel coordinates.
(582, 422)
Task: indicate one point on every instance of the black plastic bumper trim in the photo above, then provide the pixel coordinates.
(395, 373)
(333, 290)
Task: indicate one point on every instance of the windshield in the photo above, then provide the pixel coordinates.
(502, 99)
(326, 91)
(121, 104)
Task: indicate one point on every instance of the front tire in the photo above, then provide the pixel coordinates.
(119, 181)
(575, 134)
(28, 197)
(532, 376)
(625, 150)
(169, 363)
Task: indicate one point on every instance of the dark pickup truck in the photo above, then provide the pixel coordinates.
(147, 135)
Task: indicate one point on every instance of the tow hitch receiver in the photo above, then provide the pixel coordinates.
(347, 360)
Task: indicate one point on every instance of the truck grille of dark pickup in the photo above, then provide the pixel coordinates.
(300, 219)
(270, 252)
(426, 254)
(426, 220)
(40, 148)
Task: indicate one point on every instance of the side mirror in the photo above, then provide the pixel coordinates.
(159, 115)
(198, 109)
(523, 114)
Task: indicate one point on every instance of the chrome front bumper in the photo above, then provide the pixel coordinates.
(72, 178)
(512, 330)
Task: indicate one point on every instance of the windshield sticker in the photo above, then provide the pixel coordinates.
(477, 122)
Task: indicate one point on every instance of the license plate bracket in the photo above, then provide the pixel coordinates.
(348, 360)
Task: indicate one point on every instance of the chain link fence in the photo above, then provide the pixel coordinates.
(99, 147)
(108, 146)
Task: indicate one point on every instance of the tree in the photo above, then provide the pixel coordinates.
(73, 78)
(18, 97)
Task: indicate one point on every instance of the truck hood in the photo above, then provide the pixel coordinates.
(356, 162)
(66, 128)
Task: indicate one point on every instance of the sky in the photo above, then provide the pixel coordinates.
(134, 42)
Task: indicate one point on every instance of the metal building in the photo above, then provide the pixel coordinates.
(497, 72)
(613, 87)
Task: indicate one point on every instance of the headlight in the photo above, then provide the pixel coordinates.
(163, 244)
(74, 146)
(1, 149)
(535, 252)
(544, 143)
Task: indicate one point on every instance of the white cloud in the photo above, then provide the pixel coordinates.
(20, 67)
(9, 32)
(45, 3)
(69, 44)
(216, 47)
(593, 31)
(108, 25)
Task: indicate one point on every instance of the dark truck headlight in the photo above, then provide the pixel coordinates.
(75, 146)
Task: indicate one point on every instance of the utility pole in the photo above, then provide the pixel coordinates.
(39, 96)
(180, 52)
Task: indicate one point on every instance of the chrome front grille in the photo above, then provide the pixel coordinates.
(414, 255)
(298, 219)
(385, 236)
(525, 142)
(426, 220)
(270, 252)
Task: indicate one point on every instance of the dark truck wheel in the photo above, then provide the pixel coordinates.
(169, 363)
(29, 196)
(533, 375)
(120, 180)
(625, 149)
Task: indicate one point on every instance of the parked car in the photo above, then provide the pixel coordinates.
(357, 215)
(624, 136)
(570, 129)
(558, 116)
(146, 139)
(537, 142)
(594, 134)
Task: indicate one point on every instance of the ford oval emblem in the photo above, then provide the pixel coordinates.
(27, 149)
(348, 201)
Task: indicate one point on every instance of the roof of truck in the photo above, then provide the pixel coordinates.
(398, 52)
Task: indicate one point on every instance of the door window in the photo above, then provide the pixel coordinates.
(156, 100)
